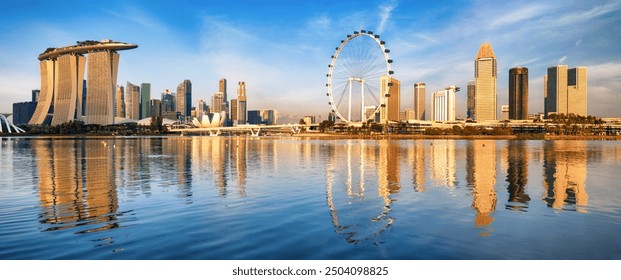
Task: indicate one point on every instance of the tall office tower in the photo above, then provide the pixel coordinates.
(242, 109)
(504, 112)
(145, 100)
(133, 102)
(234, 113)
(565, 90)
(156, 107)
(216, 102)
(61, 89)
(419, 101)
(485, 74)
(392, 109)
(470, 101)
(184, 98)
(518, 93)
(225, 96)
(443, 104)
(201, 109)
(168, 101)
(101, 82)
(119, 105)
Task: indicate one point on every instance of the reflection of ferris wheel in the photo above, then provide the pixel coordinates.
(355, 74)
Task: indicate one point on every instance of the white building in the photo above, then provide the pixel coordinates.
(443, 104)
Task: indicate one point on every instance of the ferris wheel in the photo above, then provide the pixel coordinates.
(356, 72)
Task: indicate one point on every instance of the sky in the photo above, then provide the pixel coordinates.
(282, 49)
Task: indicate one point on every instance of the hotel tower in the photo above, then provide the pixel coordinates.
(485, 74)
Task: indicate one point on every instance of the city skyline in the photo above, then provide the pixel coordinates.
(229, 41)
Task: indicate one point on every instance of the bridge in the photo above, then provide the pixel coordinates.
(254, 130)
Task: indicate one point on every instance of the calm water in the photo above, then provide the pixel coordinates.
(285, 198)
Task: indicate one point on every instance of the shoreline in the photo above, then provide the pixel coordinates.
(335, 136)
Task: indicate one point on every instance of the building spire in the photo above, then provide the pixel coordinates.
(485, 51)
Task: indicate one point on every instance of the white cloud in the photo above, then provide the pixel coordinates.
(562, 59)
(579, 42)
(385, 13)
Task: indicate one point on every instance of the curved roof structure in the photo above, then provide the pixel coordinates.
(485, 51)
(86, 47)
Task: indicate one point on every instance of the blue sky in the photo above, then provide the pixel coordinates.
(281, 49)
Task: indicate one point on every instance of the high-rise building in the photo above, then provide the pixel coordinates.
(234, 113)
(391, 110)
(145, 100)
(254, 117)
(485, 74)
(518, 93)
(23, 111)
(119, 105)
(225, 97)
(156, 107)
(184, 98)
(216, 102)
(268, 117)
(470, 100)
(565, 90)
(443, 104)
(133, 102)
(241, 103)
(101, 82)
(419, 101)
(62, 80)
(201, 109)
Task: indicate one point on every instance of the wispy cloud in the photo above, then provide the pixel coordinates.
(562, 59)
(519, 15)
(385, 14)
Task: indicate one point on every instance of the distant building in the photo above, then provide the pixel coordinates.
(217, 102)
(369, 112)
(309, 119)
(132, 101)
(242, 106)
(156, 108)
(201, 109)
(234, 112)
(168, 102)
(391, 110)
(518, 93)
(254, 117)
(419, 101)
(268, 117)
(443, 104)
(119, 105)
(145, 100)
(565, 90)
(504, 109)
(184, 98)
(23, 111)
(485, 74)
(470, 100)
(331, 117)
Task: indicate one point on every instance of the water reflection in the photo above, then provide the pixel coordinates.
(565, 175)
(356, 213)
(481, 177)
(517, 175)
(80, 180)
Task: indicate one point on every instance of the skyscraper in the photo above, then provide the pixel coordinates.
(485, 74)
(184, 98)
(391, 87)
(518, 93)
(145, 100)
(101, 82)
(470, 100)
(419, 101)
(216, 102)
(119, 105)
(443, 104)
(62, 76)
(565, 90)
(242, 114)
(132, 102)
(234, 111)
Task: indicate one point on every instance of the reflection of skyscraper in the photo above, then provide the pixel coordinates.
(517, 175)
(389, 175)
(417, 157)
(565, 174)
(485, 73)
(442, 153)
(481, 176)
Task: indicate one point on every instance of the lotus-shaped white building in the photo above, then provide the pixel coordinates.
(211, 120)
